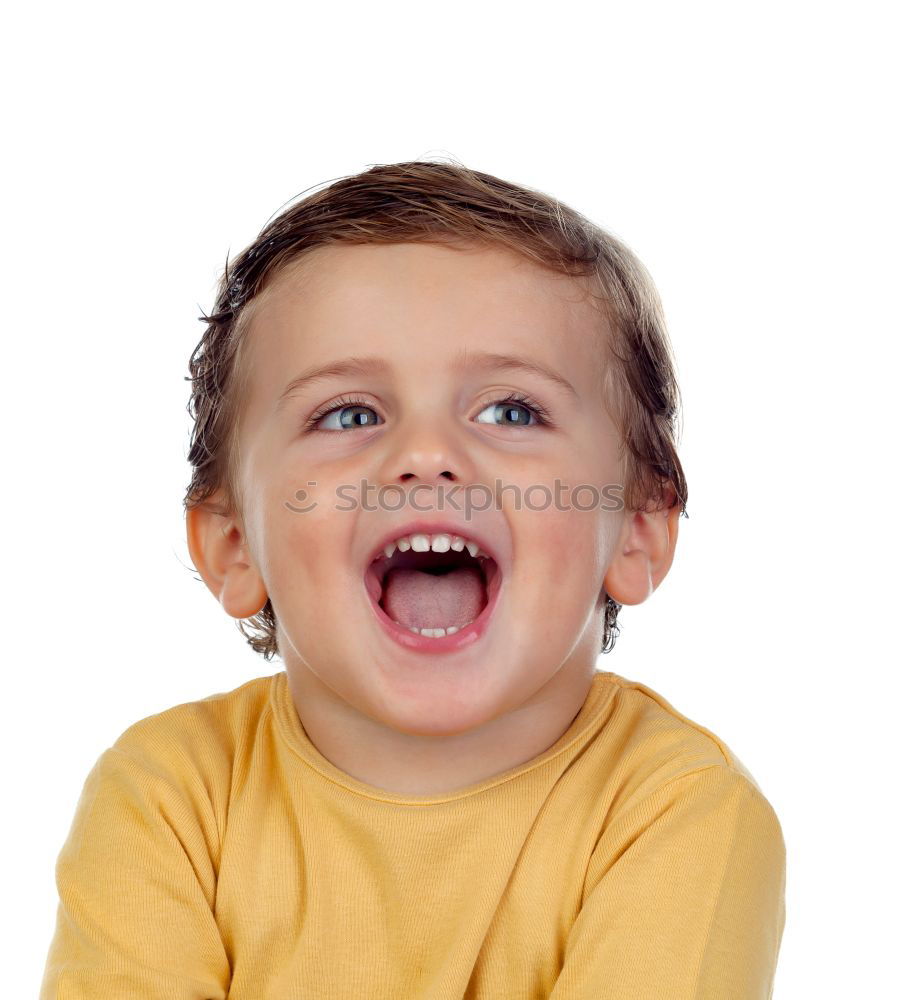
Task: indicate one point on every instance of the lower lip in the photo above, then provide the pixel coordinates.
(459, 640)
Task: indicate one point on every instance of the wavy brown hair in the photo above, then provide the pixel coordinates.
(450, 204)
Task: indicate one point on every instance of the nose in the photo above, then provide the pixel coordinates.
(426, 451)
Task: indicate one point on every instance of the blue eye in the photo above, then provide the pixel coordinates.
(510, 409)
(341, 407)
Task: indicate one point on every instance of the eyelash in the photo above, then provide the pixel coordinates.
(538, 410)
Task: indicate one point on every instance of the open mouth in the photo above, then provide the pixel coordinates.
(433, 594)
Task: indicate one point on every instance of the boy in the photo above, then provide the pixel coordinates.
(420, 397)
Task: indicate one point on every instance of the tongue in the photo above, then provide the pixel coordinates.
(418, 599)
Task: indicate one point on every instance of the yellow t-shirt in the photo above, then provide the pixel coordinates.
(215, 852)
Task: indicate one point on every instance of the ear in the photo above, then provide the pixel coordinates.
(218, 549)
(644, 552)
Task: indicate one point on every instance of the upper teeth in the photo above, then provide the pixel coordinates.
(438, 543)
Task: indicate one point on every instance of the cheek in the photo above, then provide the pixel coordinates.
(295, 532)
(572, 547)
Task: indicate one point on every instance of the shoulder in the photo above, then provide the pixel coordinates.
(194, 747)
(653, 718)
(213, 717)
(668, 773)
(664, 753)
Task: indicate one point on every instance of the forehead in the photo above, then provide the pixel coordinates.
(416, 304)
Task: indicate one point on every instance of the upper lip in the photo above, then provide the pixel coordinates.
(493, 545)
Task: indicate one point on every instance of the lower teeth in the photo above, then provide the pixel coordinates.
(434, 633)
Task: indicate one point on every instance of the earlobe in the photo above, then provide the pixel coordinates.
(643, 555)
(220, 553)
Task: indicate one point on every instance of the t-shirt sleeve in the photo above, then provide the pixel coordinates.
(136, 881)
(686, 897)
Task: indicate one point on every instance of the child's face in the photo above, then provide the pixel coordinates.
(421, 309)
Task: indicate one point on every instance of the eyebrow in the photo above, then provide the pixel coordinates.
(483, 361)
(336, 369)
(477, 360)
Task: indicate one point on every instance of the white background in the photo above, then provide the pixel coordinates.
(750, 154)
